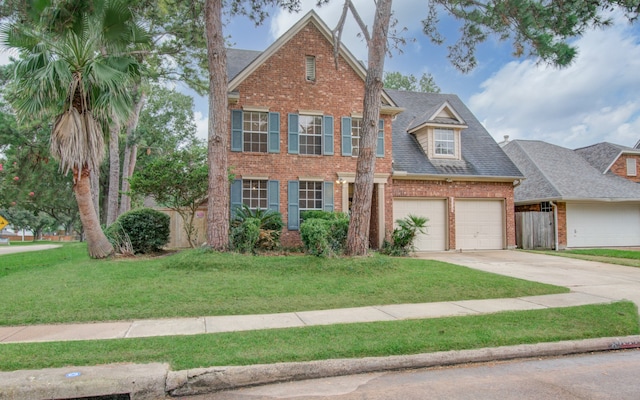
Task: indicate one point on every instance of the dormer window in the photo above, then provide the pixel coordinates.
(445, 143)
(310, 64)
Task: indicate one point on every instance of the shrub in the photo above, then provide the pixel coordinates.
(404, 235)
(324, 233)
(146, 229)
(269, 229)
(245, 236)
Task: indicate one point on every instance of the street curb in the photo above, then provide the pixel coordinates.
(156, 381)
(208, 380)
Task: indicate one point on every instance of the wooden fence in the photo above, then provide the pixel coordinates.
(535, 230)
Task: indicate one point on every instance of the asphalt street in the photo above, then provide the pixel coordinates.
(599, 376)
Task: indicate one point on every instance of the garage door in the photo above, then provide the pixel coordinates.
(479, 224)
(601, 225)
(435, 210)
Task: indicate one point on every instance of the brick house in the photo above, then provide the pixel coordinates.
(592, 191)
(295, 123)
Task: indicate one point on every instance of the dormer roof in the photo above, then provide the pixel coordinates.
(443, 115)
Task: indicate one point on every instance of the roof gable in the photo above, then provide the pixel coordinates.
(444, 114)
(310, 18)
(603, 155)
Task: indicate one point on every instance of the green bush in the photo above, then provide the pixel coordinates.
(403, 236)
(269, 229)
(324, 233)
(245, 236)
(146, 229)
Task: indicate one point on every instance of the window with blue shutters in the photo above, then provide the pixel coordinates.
(255, 194)
(352, 133)
(255, 132)
(310, 134)
(308, 196)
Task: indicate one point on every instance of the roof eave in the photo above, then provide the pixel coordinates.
(403, 175)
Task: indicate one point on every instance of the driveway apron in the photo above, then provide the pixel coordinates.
(610, 281)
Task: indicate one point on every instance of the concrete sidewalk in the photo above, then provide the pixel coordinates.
(202, 325)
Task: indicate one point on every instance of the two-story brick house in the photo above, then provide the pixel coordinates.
(296, 114)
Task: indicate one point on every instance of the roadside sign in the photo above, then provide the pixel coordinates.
(3, 223)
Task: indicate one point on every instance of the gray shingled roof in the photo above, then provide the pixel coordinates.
(481, 155)
(557, 173)
(602, 155)
(237, 60)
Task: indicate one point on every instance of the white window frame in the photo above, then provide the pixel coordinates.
(632, 167)
(253, 119)
(449, 144)
(356, 134)
(315, 123)
(255, 194)
(318, 195)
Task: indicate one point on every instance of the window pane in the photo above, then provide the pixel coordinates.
(444, 141)
(255, 131)
(310, 134)
(254, 193)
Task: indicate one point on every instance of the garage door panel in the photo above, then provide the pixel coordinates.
(479, 224)
(435, 211)
(603, 225)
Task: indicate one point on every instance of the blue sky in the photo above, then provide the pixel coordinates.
(593, 100)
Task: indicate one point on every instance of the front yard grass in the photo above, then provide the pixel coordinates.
(629, 258)
(64, 285)
(335, 341)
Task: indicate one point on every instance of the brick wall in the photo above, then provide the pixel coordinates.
(619, 167)
(281, 86)
(562, 226)
(461, 190)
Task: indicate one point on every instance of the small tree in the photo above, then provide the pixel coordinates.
(404, 235)
(177, 181)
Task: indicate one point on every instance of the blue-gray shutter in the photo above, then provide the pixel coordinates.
(327, 193)
(294, 147)
(328, 135)
(380, 144)
(273, 195)
(346, 136)
(293, 209)
(236, 196)
(236, 130)
(274, 132)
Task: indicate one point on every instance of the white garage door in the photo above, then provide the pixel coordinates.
(479, 224)
(601, 225)
(435, 210)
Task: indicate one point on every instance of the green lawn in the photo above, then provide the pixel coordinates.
(64, 285)
(334, 341)
(629, 258)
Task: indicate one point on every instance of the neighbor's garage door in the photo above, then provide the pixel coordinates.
(435, 210)
(479, 224)
(601, 225)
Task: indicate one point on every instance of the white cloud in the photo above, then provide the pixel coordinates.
(202, 126)
(593, 100)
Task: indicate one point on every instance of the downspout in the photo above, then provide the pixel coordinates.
(555, 223)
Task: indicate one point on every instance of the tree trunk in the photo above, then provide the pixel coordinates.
(114, 173)
(130, 154)
(95, 192)
(218, 142)
(358, 236)
(97, 243)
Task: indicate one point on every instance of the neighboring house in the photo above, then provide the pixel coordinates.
(593, 206)
(609, 158)
(296, 116)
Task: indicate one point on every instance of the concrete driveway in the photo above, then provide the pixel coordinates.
(20, 249)
(614, 282)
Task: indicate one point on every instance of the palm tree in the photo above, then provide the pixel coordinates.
(76, 64)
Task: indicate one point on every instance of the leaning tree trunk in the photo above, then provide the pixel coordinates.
(114, 173)
(358, 236)
(97, 243)
(218, 200)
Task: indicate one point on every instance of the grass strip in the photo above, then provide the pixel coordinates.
(627, 258)
(335, 341)
(64, 285)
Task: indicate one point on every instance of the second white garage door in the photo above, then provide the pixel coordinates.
(435, 210)
(602, 225)
(479, 224)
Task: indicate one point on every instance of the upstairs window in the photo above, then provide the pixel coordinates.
(445, 144)
(632, 168)
(310, 134)
(310, 67)
(356, 129)
(255, 131)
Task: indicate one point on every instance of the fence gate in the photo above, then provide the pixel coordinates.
(535, 230)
